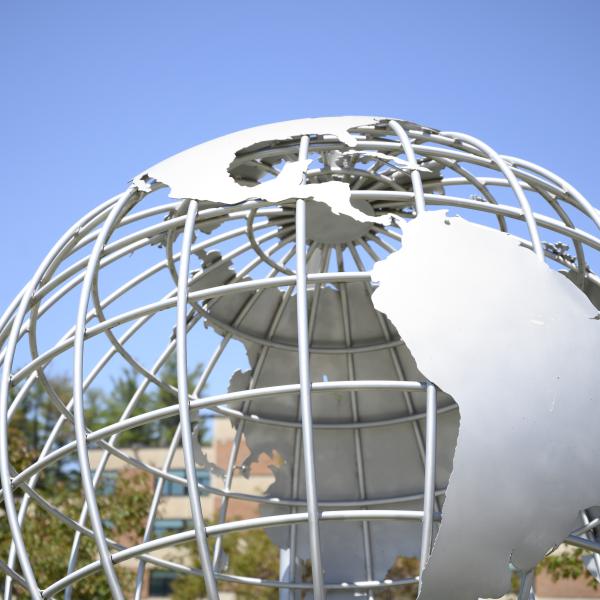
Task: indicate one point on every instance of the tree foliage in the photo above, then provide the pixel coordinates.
(106, 408)
(250, 553)
(403, 568)
(567, 564)
(48, 539)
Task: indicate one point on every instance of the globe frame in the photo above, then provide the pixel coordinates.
(400, 188)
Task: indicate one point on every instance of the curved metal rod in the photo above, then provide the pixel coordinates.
(66, 415)
(250, 229)
(206, 293)
(415, 174)
(184, 405)
(295, 483)
(131, 242)
(358, 442)
(128, 198)
(129, 408)
(15, 324)
(242, 525)
(167, 464)
(408, 195)
(474, 181)
(274, 500)
(400, 372)
(310, 478)
(72, 234)
(509, 211)
(256, 372)
(453, 150)
(514, 183)
(313, 175)
(118, 250)
(429, 485)
(210, 401)
(207, 402)
(579, 542)
(417, 416)
(62, 410)
(580, 201)
(237, 277)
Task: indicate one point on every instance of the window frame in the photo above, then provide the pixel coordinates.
(172, 489)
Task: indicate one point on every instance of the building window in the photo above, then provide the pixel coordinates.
(164, 527)
(172, 488)
(108, 524)
(160, 583)
(108, 483)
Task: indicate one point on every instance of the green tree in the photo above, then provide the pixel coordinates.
(37, 414)
(250, 553)
(168, 375)
(105, 408)
(48, 540)
(108, 407)
(567, 564)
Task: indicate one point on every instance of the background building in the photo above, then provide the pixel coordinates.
(174, 513)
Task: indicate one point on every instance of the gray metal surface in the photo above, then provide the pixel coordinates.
(361, 436)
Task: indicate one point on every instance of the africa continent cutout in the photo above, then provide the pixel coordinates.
(516, 345)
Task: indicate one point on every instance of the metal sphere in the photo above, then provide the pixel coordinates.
(239, 254)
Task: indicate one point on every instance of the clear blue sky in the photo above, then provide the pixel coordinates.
(93, 92)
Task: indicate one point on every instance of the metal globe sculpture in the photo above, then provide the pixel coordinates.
(419, 315)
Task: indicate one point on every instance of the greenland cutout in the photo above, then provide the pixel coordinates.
(516, 344)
